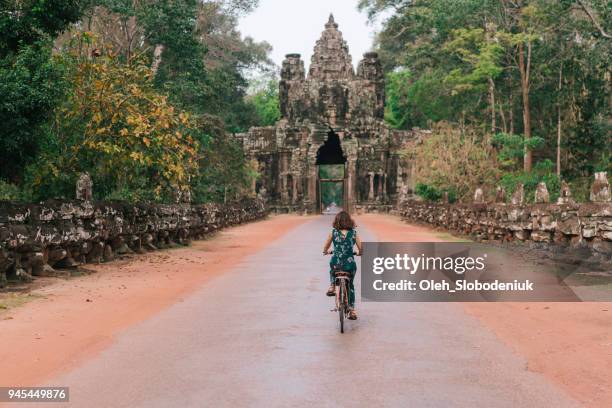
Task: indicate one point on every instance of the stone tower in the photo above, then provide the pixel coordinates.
(331, 59)
(334, 115)
(332, 93)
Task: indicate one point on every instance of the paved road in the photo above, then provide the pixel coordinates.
(263, 335)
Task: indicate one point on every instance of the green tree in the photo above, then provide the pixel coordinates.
(31, 80)
(265, 102)
(224, 173)
(517, 67)
(200, 60)
(31, 84)
(117, 127)
(198, 56)
(28, 22)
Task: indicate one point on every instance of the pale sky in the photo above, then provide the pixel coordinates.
(293, 26)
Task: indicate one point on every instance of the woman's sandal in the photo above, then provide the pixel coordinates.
(331, 291)
(352, 315)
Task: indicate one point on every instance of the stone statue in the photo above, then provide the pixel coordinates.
(500, 195)
(445, 198)
(518, 197)
(565, 195)
(181, 195)
(187, 195)
(176, 195)
(263, 195)
(600, 190)
(541, 194)
(479, 196)
(84, 187)
(403, 194)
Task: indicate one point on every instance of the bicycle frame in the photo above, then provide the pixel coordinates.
(342, 281)
(342, 287)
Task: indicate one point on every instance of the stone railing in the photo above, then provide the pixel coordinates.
(39, 239)
(564, 224)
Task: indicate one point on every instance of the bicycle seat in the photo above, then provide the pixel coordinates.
(340, 274)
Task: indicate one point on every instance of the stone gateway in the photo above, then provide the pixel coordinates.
(331, 117)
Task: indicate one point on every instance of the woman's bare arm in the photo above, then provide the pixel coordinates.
(358, 244)
(328, 243)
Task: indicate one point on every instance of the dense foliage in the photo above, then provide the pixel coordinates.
(31, 81)
(264, 99)
(143, 95)
(536, 73)
(118, 127)
(452, 161)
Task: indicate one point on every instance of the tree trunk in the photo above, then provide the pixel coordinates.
(559, 123)
(511, 113)
(492, 102)
(503, 118)
(524, 65)
(488, 28)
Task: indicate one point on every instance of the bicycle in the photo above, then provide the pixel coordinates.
(342, 300)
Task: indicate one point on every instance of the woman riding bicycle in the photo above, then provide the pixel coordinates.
(344, 237)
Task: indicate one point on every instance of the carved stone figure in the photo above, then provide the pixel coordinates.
(600, 190)
(187, 196)
(403, 195)
(263, 195)
(541, 194)
(565, 195)
(479, 196)
(84, 187)
(500, 195)
(445, 198)
(518, 197)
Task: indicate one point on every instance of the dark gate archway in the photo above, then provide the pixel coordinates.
(331, 163)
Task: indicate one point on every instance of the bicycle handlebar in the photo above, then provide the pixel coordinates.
(332, 252)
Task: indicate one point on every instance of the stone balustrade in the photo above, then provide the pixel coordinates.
(564, 224)
(42, 239)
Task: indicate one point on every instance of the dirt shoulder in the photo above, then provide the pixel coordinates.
(54, 327)
(568, 343)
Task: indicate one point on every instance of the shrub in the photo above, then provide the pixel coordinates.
(9, 192)
(543, 171)
(431, 193)
(453, 161)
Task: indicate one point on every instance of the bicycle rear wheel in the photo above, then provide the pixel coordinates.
(341, 307)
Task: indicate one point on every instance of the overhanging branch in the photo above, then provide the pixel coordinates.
(593, 19)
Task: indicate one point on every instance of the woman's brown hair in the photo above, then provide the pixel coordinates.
(343, 221)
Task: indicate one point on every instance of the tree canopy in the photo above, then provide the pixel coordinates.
(537, 71)
(143, 95)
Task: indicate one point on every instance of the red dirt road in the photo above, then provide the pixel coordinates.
(569, 343)
(79, 317)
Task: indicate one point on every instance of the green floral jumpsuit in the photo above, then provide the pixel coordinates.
(344, 257)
